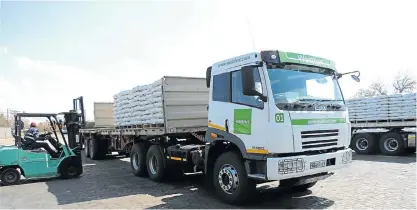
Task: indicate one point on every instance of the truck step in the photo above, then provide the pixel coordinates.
(257, 176)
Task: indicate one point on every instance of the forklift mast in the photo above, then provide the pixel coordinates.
(72, 122)
(78, 105)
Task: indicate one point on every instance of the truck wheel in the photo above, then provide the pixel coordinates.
(230, 179)
(10, 176)
(391, 144)
(154, 163)
(364, 143)
(138, 159)
(94, 149)
(87, 147)
(410, 150)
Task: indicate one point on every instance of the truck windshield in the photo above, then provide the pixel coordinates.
(295, 87)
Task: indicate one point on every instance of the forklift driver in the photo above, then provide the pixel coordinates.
(36, 141)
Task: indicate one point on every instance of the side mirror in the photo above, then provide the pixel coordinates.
(208, 77)
(356, 78)
(248, 83)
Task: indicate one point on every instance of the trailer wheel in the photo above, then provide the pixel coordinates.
(138, 159)
(10, 176)
(155, 163)
(230, 179)
(87, 147)
(364, 143)
(94, 149)
(391, 144)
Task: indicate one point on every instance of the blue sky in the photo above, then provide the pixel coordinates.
(108, 46)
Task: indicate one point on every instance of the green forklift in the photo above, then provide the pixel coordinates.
(20, 159)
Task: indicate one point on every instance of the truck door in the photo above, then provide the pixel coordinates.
(243, 117)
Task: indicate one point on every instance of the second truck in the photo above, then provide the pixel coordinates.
(258, 117)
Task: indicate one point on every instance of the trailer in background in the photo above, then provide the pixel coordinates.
(185, 114)
(385, 124)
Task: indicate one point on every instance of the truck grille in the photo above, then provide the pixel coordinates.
(319, 138)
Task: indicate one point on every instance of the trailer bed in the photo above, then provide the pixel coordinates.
(384, 124)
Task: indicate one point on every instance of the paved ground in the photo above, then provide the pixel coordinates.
(371, 182)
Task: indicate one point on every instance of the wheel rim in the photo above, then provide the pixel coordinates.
(391, 144)
(228, 179)
(153, 164)
(362, 144)
(10, 177)
(135, 159)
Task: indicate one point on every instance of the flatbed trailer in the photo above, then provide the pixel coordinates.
(385, 124)
(185, 111)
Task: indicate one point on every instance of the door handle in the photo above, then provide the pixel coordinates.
(226, 125)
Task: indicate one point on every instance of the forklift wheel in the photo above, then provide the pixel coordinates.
(70, 169)
(10, 176)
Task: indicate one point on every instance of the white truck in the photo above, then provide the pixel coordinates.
(258, 117)
(385, 124)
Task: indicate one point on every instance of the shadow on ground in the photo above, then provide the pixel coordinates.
(411, 158)
(112, 178)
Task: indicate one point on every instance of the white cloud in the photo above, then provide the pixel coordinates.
(47, 86)
(3, 51)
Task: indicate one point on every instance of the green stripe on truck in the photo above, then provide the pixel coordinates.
(318, 121)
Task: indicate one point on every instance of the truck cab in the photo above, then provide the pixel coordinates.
(283, 112)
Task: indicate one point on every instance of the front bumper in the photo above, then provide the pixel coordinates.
(304, 165)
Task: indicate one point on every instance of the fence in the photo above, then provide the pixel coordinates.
(5, 133)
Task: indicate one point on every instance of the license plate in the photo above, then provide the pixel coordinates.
(317, 164)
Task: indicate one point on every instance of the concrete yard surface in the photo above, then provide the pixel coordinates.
(370, 182)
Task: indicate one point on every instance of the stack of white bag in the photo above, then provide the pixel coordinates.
(141, 105)
(122, 107)
(402, 106)
(379, 108)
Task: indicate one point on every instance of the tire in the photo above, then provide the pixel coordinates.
(138, 159)
(94, 148)
(392, 144)
(364, 143)
(409, 151)
(69, 169)
(10, 176)
(87, 147)
(224, 167)
(155, 163)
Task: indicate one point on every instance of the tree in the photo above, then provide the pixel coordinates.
(4, 122)
(364, 93)
(377, 88)
(89, 124)
(404, 83)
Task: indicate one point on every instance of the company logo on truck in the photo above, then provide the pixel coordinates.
(242, 122)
